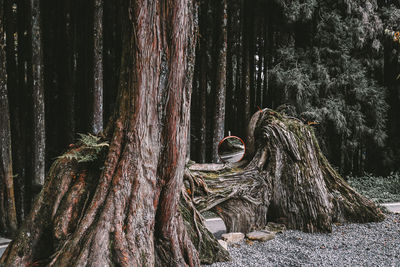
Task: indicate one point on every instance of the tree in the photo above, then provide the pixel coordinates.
(220, 82)
(128, 214)
(38, 95)
(97, 118)
(8, 217)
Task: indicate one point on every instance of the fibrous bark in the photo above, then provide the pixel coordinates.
(121, 207)
(288, 180)
(8, 218)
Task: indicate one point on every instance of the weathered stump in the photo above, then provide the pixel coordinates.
(287, 179)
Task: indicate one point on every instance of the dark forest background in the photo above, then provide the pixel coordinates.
(326, 62)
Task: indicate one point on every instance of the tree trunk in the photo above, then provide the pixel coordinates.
(203, 82)
(126, 212)
(97, 119)
(18, 101)
(220, 83)
(288, 180)
(245, 88)
(38, 95)
(8, 217)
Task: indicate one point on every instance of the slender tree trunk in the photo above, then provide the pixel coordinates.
(260, 60)
(220, 83)
(246, 90)
(8, 217)
(97, 119)
(38, 95)
(203, 82)
(68, 69)
(18, 105)
(230, 85)
(266, 59)
(252, 41)
(238, 99)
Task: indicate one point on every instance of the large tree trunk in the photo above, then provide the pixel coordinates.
(125, 212)
(8, 217)
(288, 180)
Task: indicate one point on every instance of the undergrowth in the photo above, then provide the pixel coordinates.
(379, 189)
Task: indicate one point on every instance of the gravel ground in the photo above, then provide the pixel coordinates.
(371, 244)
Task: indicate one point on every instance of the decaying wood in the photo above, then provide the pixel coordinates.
(288, 180)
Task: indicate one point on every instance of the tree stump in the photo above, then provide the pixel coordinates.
(287, 179)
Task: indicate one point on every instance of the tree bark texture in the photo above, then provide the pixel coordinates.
(220, 83)
(126, 213)
(97, 119)
(288, 180)
(8, 217)
(38, 95)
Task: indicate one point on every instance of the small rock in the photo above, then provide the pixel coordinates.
(260, 235)
(232, 238)
(275, 227)
(223, 244)
(249, 242)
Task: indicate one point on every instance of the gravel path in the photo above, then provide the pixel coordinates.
(371, 244)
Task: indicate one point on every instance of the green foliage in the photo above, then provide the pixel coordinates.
(298, 10)
(379, 189)
(88, 149)
(334, 79)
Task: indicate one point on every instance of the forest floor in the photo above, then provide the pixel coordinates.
(370, 244)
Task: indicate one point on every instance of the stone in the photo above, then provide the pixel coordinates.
(232, 238)
(260, 235)
(223, 244)
(275, 227)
